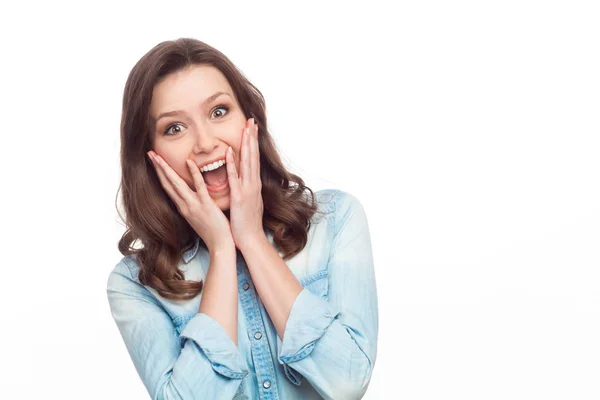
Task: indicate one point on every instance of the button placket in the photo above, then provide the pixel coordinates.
(260, 350)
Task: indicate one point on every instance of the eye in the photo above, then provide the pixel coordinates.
(166, 132)
(221, 107)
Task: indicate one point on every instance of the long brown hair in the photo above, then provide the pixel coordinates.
(151, 216)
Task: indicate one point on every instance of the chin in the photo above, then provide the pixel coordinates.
(222, 202)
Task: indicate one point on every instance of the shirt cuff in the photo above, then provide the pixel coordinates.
(216, 344)
(309, 319)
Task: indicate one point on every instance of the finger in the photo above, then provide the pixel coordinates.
(178, 184)
(199, 183)
(254, 155)
(245, 161)
(166, 184)
(232, 175)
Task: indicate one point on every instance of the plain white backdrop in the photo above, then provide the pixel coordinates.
(469, 130)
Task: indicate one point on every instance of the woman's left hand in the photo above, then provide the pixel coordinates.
(246, 205)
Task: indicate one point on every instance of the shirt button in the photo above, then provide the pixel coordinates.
(246, 286)
(267, 384)
(257, 336)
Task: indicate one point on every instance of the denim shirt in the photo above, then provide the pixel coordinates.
(330, 338)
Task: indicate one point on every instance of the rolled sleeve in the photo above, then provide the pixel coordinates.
(216, 344)
(200, 363)
(309, 319)
(332, 342)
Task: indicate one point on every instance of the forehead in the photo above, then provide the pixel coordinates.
(187, 87)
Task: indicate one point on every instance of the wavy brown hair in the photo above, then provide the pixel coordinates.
(151, 216)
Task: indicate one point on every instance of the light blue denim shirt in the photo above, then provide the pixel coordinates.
(330, 339)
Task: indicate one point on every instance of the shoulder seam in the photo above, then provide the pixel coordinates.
(349, 197)
(126, 261)
(332, 191)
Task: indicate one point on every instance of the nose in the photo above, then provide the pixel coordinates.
(205, 142)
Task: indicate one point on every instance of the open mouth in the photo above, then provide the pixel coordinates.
(216, 180)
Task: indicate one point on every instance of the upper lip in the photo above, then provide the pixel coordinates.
(210, 162)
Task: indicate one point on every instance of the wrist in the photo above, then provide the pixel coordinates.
(252, 241)
(224, 247)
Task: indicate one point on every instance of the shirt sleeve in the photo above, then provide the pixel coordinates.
(201, 363)
(333, 342)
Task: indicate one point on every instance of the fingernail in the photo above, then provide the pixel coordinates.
(251, 121)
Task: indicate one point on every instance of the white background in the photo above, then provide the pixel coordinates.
(469, 130)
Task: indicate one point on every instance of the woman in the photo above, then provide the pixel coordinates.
(246, 287)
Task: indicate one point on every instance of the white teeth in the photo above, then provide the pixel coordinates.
(210, 167)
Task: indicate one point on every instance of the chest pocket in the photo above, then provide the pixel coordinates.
(240, 392)
(317, 283)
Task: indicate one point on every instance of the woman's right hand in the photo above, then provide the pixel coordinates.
(198, 208)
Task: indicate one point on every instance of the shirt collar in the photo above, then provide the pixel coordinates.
(188, 255)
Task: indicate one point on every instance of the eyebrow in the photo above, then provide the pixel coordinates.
(206, 101)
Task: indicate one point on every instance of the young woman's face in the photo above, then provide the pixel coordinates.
(200, 131)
